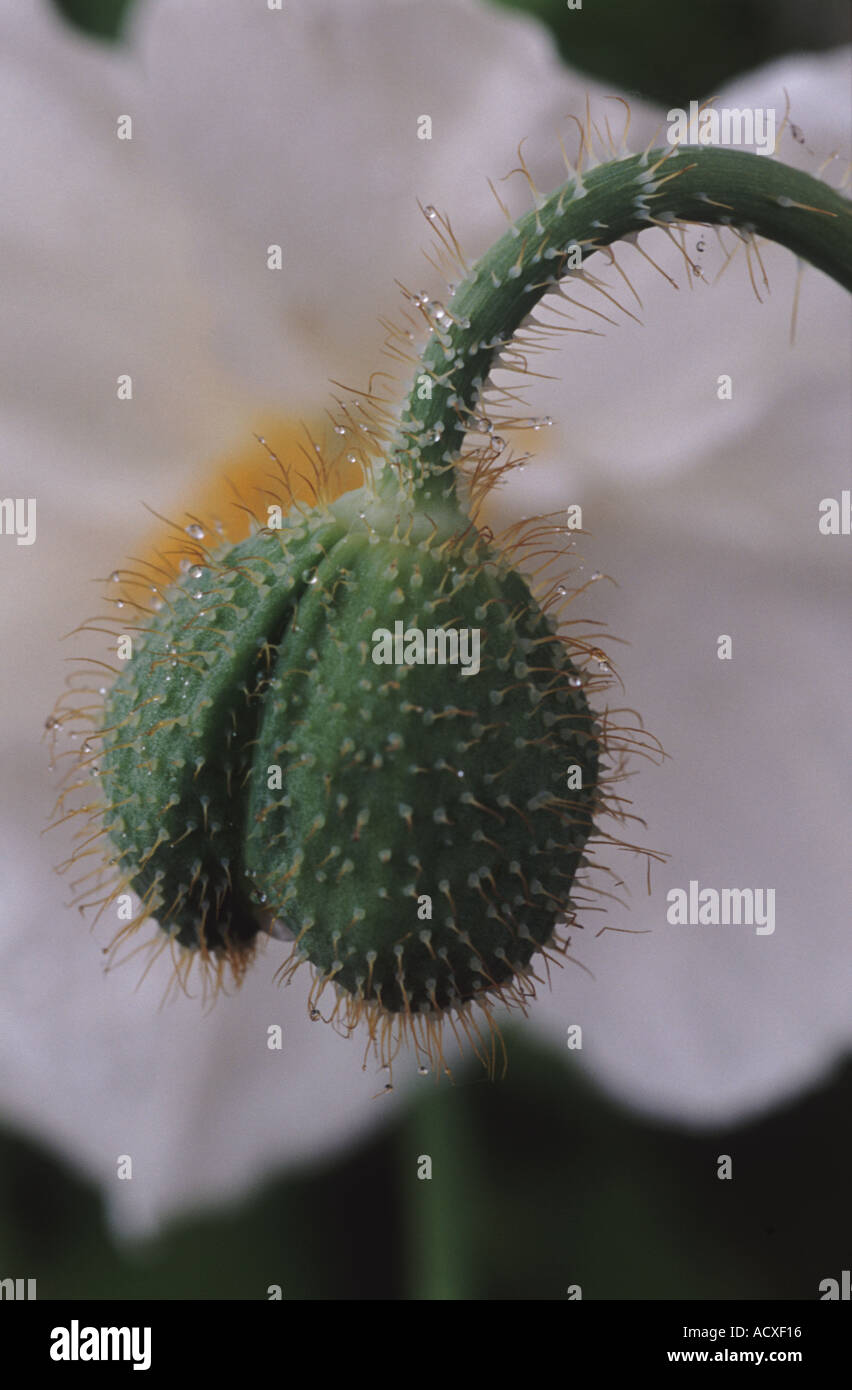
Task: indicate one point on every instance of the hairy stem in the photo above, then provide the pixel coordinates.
(758, 196)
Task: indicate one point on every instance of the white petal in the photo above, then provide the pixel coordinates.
(197, 1100)
(709, 1022)
(612, 396)
(299, 127)
(98, 271)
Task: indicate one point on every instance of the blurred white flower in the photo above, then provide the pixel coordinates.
(148, 256)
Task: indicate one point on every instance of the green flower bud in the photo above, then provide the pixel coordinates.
(363, 729)
(177, 732)
(423, 842)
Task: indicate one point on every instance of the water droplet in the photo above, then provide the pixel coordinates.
(498, 442)
(561, 590)
(310, 576)
(431, 212)
(340, 429)
(596, 574)
(87, 747)
(196, 572)
(575, 681)
(115, 577)
(422, 1071)
(315, 1013)
(351, 458)
(119, 603)
(460, 774)
(195, 531)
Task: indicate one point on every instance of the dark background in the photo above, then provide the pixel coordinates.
(544, 1182)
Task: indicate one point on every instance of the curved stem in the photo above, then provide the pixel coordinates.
(614, 201)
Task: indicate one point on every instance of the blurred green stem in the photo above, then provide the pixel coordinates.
(441, 1245)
